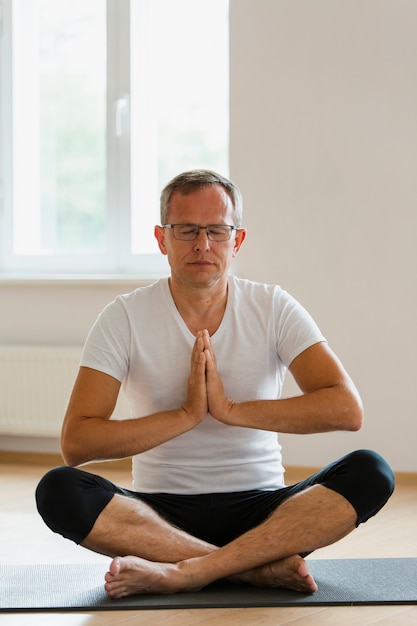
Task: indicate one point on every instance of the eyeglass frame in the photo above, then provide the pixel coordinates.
(206, 228)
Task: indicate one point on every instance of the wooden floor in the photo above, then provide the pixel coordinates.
(25, 539)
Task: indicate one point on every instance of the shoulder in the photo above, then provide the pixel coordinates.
(275, 302)
(244, 285)
(253, 291)
(139, 297)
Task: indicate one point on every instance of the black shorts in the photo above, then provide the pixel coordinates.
(70, 500)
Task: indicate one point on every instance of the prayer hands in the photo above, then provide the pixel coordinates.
(196, 404)
(205, 388)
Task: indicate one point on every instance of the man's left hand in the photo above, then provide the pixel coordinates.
(219, 404)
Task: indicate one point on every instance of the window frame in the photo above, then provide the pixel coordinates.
(117, 259)
(131, 145)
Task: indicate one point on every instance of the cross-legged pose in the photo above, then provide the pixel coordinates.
(201, 356)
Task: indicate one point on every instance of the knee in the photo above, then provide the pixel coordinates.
(69, 500)
(373, 471)
(53, 493)
(374, 481)
(62, 499)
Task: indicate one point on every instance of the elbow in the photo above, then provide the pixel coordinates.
(71, 458)
(355, 415)
(72, 453)
(70, 461)
(352, 413)
(355, 424)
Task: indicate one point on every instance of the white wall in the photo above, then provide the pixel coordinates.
(51, 312)
(324, 148)
(54, 312)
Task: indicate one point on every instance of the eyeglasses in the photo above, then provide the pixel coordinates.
(189, 232)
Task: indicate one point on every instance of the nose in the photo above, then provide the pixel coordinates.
(202, 242)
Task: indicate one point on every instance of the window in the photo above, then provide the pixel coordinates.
(101, 103)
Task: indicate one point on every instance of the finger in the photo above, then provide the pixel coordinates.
(198, 348)
(205, 335)
(209, 346)
(209, 359)
(211, 373)
(198, 364)
(199, 339)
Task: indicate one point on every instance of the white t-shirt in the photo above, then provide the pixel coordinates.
(141, 340)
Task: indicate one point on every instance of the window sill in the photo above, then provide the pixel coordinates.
(79, 279)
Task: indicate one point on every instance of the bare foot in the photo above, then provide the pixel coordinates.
(289, 573)
(132, 575)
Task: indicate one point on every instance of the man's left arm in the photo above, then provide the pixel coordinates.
(329, 402)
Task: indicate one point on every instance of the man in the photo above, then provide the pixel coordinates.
(202, 356)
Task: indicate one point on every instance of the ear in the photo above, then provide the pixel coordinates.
(159, 233)
(239, 239)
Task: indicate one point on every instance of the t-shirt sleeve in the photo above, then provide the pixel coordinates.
(296, 330)
(108, 344)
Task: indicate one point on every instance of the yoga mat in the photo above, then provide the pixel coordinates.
(341, 582)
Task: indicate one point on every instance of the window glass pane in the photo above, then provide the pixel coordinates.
(180, 88)
(73, 181)
(59, 126)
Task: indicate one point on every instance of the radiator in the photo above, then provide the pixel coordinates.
(35, 385)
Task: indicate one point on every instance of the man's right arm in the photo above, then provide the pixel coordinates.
(88, 433)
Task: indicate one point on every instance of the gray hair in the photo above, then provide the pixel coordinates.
(187, 182)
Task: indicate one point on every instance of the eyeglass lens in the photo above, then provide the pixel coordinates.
(215, 232)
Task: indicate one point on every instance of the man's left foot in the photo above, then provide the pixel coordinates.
(289, 573)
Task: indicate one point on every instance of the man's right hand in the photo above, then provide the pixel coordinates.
(196, 403)
(88, 433)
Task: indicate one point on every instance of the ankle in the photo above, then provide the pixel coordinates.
(189, 575)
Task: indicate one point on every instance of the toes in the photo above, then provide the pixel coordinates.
(115, 566)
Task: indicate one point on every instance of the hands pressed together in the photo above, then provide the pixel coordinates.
(205, 388)
(329, 402)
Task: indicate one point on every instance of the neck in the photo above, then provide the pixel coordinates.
(201, 308)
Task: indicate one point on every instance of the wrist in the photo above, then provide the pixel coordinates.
(190, 416)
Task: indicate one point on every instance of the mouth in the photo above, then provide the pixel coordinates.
(201, 263)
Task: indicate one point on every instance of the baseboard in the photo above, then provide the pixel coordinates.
(293, 473)
(52, 460)
(30, 458)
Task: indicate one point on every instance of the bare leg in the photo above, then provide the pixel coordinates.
(264, 556)
(130, 527)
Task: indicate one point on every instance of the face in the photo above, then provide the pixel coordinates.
(200, 262)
